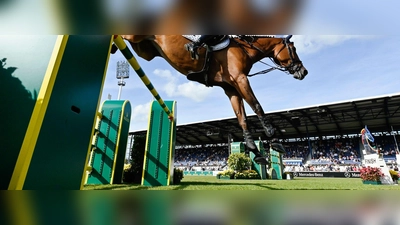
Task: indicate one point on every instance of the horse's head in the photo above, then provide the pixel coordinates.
(286, 57)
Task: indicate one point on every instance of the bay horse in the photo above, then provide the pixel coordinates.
(227, 68)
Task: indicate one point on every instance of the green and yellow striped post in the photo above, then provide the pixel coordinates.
(120, 43)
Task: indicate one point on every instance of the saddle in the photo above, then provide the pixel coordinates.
(217, 43)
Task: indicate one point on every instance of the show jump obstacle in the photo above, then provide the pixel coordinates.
(238, 147)
(161, 132)
(274, 169)
(158, 165)
(106, 164)
(50, 119)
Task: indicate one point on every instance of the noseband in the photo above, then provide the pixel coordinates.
(294, 65)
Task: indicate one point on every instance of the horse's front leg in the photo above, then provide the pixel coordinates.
(238, 107)
(245, 90)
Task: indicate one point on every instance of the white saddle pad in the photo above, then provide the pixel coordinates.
(216, 47)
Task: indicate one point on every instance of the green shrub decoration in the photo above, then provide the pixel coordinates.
(178, 176)
(227, 173)
(239, 168)
(133, 173)
(239, 162)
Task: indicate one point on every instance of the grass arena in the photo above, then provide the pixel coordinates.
(210, 183)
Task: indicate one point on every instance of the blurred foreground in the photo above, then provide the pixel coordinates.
(198, 207)
(306, 17)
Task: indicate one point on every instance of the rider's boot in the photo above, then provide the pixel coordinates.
(193, 46)
(258, 158)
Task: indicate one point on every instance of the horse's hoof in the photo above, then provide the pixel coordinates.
(278, 147)
(260, 160)
(251, 145)
(269, 129)
(270, 132)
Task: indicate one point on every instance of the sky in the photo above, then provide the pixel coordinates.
(341, 67)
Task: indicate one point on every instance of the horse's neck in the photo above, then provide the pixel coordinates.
(262, 47)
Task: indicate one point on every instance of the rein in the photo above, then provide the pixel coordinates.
(268, 70)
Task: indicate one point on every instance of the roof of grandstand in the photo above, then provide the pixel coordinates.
(379, 113)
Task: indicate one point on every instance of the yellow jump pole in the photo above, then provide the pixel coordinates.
(120, 43)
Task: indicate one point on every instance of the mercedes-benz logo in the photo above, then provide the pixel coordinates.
(347, 174)
(295, 174)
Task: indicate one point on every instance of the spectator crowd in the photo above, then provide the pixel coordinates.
(328, 155)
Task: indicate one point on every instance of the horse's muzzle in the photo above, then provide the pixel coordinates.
(301, 73)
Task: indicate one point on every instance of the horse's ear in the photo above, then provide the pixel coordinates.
(288, 38)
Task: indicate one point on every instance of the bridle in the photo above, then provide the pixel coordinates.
(294, 65)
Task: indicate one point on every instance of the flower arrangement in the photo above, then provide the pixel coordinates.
(247, 174)
(371, 174)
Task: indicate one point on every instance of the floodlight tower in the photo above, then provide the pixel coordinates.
(122, 73)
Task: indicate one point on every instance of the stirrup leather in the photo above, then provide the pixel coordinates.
(192, 48)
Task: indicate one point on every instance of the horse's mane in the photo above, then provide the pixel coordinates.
(255, 35)
(250, 38)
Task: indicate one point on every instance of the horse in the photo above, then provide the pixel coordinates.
(227, 68)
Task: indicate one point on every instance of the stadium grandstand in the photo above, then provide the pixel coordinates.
(322, 137)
